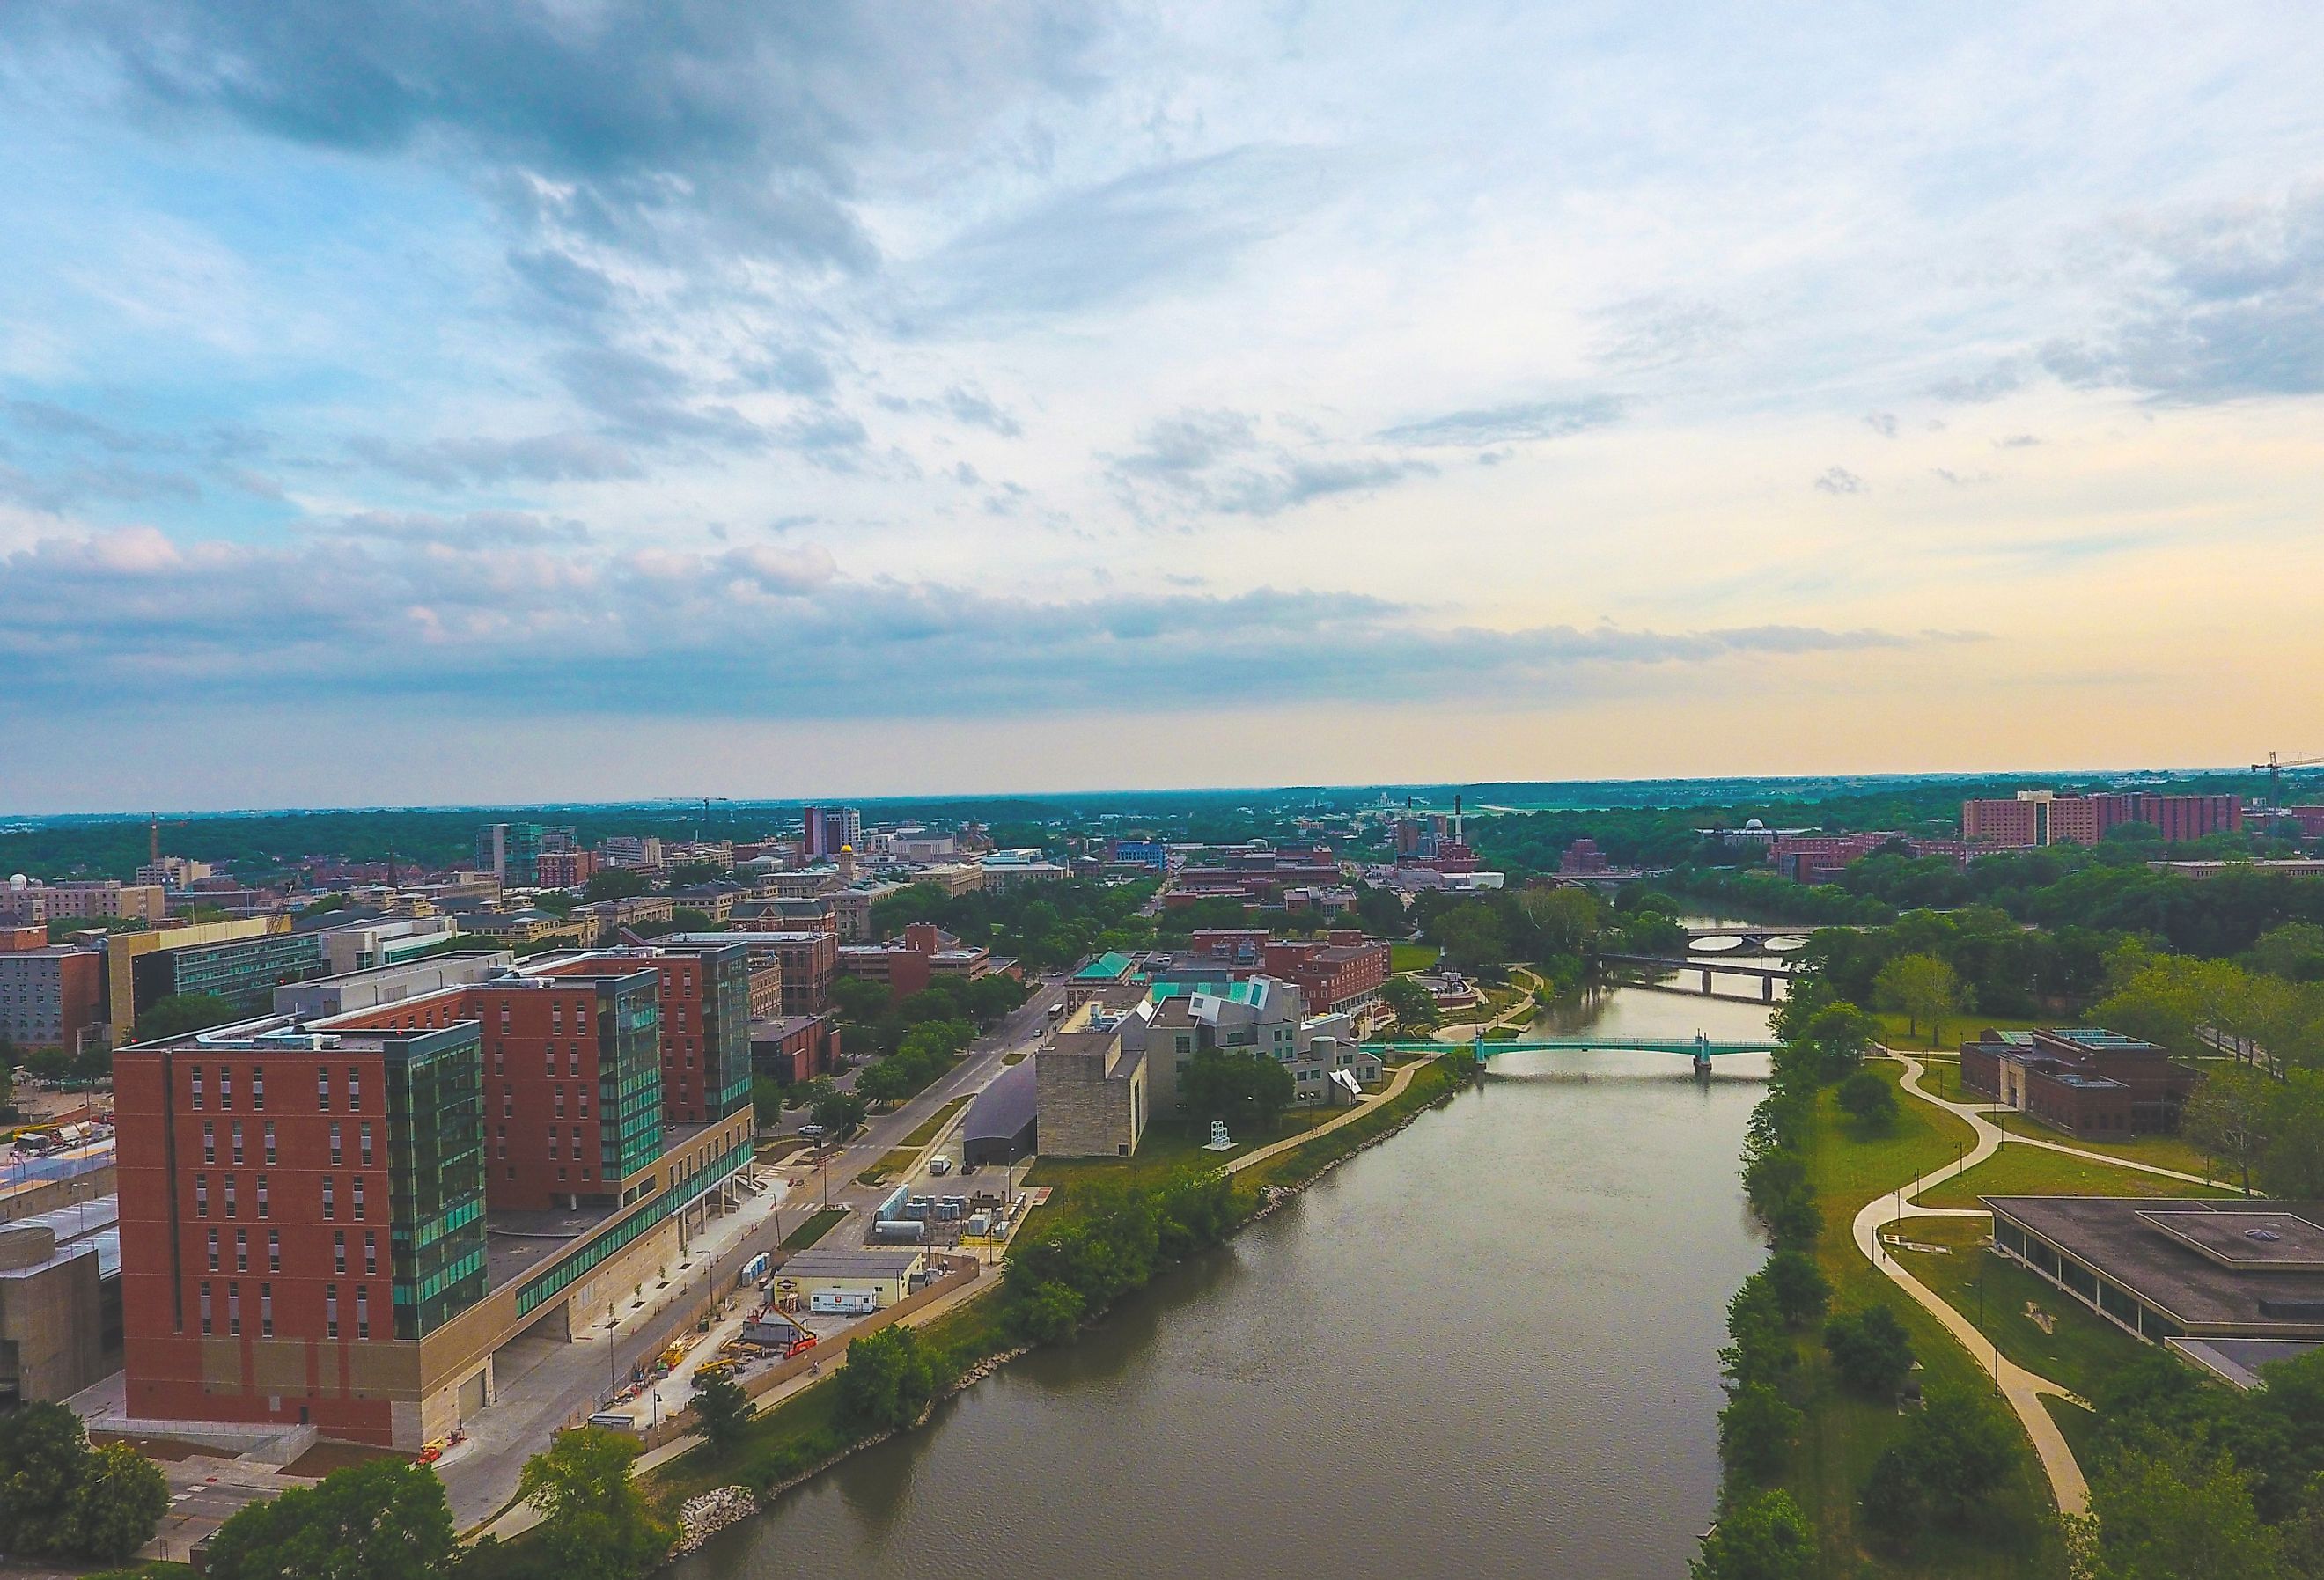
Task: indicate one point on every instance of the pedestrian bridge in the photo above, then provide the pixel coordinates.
(1703, 1050)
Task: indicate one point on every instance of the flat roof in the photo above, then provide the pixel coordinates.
(839, 1262)
(2175, 1265)
(517, 1244)
(93, 1225)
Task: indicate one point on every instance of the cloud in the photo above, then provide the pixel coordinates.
(1840, 480)
(2234, 309)
(653, 127)
(1177, 223)
(646, 399)
(459, 463)
(793, 369)
(2002, 378)
(1883, 423)
(1520, 422)
(2017, 442)
(963, 403)
(108, 617)
(477, 529)
(1656, 331)
(1221, 462)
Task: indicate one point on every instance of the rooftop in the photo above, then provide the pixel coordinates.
(2203, 1274)
(840, 1263)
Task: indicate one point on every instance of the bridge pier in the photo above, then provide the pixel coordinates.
(1766, 990)
(1706, 982)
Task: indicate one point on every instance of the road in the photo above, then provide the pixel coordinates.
(546, 1383)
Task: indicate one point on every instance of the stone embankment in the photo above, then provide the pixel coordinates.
(700, 1519)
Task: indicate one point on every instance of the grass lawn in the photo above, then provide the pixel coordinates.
(2017, 1171)
(813, 1229)
(2080, 1353)
(1896, 1031)
(900, 1157)
(1412, 956)
(2014, 1535)
(1943, 1078)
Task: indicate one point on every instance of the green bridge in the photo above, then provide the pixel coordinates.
(1701, 1049)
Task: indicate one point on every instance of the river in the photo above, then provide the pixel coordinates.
(1486, 1347)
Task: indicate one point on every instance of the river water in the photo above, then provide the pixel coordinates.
(1485, 1347)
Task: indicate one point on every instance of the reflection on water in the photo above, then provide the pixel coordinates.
(1488, 1347)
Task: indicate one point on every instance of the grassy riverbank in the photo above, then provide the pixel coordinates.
(2016, 1534)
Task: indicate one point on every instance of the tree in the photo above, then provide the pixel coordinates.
(837, 1112)
(1763, 1536)
(1869, 1099)
(594, 1524)
(2228, 1115)
(1838, 1036)
(117, 1505)
(860, 999)
(1923, 987)
(1415, 1005)
(687, 874)
(381, 1519)
(1049, 1313)
(41, 1450)
(2183, 1515)
(1800, 1287)
(182, 1012)
(1247, 1090)
(723, 1408)
(1954, 1453)
(50, 1063)
(1471, 936)
(2295, 952)
(2293, 1166)
(1870, 1349)
(888, 1380)
(615, 884)
(1756, 1430)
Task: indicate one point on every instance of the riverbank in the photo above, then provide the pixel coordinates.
(804, 1436)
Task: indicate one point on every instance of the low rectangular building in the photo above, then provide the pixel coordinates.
(886, 1275)
(2230, 1283)
(2084, 1080)
(60, 1301)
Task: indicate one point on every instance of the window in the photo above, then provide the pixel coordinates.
(237, 1144)
(330, 1311)
(233, 1310)
(338, 1251)
(359, 1199)
(552, 1142)
(242, 1251)
(214, 1262)
(354, 1091)
(274, 1251)
(364, 1137)
(229, 1195)
(262, 1196)
(209, 1143)
(266, 1310)
(363, 1311)
(560, 1102)
(573, 1059)
(371, 1251)
(335, 1143)
(330, 1200)
(549, 1061)
(269, 1142)
(225, 1087)
(197, 1085)
(322, 1088)
(508, 1103)
(258, 1087)
(500, 1058)
(205, 1307)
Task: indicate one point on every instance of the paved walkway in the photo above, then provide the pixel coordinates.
(1386, 1095)
(2023, 1389)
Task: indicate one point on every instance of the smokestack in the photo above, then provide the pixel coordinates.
(1456, 822)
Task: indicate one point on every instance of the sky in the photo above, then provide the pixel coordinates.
(407, 402)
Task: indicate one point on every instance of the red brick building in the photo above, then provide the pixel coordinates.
(1343, 971)
(2083, 1081)
(795, 1048)
(278, 1226)
(703, 996)
(50, 996)
(809, 959)
(2038, 819)
(907, 965)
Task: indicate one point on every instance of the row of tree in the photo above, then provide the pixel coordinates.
(60, 1497)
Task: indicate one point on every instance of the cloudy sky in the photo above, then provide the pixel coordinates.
(419, 402)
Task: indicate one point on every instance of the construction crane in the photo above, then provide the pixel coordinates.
(153, 837)
(2274, 768)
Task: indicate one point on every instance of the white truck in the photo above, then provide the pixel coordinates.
(843, 1302)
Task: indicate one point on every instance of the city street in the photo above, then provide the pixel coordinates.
(544, 1384)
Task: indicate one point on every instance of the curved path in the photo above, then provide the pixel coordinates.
(2023, 1389)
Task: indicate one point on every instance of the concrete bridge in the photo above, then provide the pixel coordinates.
(1701, 1049)
(1752, 940)
(1768, 975)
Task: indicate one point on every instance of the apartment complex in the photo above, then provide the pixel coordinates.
(906, 965)
(2039, 818)
(828, 830)
(50, 997)
(510, 852)
(34, 902)
(305, 1202)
